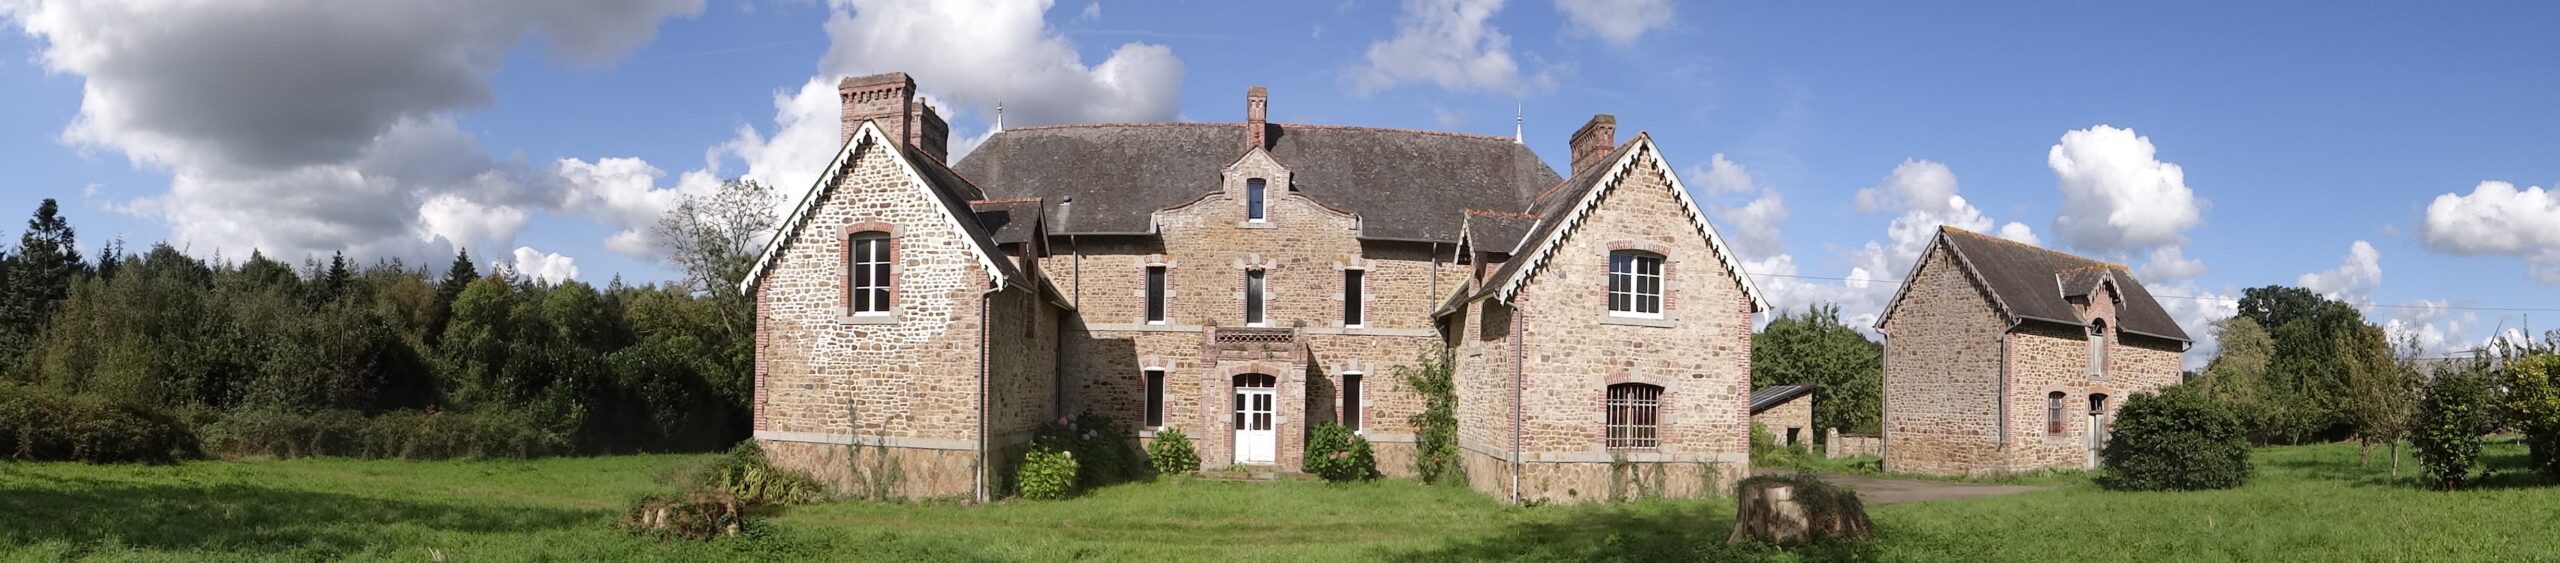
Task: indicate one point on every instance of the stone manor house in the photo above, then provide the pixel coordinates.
(1242, 282)
(2002, 357)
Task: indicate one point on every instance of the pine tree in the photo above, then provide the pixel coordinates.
(334, 283)
(40, 275)
(456, 277)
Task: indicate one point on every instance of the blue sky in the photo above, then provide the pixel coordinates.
(2295, 131)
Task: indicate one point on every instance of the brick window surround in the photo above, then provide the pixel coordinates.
(1633, 267)
(1632, 417)
(2053, 421)
(2097, 347)
(1257, 297)
(884, 279)
(1155, 304)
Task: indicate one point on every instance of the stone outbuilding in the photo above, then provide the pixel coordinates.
(1243, 282)
(1786, 411)
(2004, 357)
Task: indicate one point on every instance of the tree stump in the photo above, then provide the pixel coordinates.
(1797, 509)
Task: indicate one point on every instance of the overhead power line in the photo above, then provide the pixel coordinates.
(2209, 297)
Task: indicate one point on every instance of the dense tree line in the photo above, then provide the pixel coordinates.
(254, 351)
(1814, 348)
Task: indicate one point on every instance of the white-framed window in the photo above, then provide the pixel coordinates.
(1253, 199)
(1253, 298)
(1353, 314)
(870, 279)
(2098, 347)
(1155, 294)
(1155, 398)
(1633, 417)
(1635, 284)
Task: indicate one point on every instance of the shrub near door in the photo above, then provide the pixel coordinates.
(2176, 440)
(1337, 454)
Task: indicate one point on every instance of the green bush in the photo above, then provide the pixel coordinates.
(1173, 453)
(2175, 440)
(37, 425)
(2532, 385)
(1105, 453)
(746, 474)
(1436, 458)
(1767, 452)
(1339, 455)
(405, 434)
(1046, 474)
(2453, 412)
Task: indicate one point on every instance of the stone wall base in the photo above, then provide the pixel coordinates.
(907, 473)
(1588, 482)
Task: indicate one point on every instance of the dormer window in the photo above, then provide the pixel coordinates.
(1635, 284)
(2098, 347)
(1253, 194)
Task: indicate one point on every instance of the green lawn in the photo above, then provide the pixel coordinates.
(2308, 504)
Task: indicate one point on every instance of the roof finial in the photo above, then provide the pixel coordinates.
(1519, 119)
(999, 116)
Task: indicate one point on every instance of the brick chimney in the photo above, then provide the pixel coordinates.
(890, 99)
(1594, 141)
(1257, 118)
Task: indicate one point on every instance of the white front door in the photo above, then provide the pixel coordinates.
(1256, 443)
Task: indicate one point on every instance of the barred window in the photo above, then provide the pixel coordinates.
(868, 256)
(1635, 284)
(1633, 413)
(2053, 413)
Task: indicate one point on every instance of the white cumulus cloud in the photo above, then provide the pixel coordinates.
(975, 54)
(2353, 281)
(301, 128)
(546, 267)
(2117, 195)
(2498, 219)
(1448, 43)
(1618, 21)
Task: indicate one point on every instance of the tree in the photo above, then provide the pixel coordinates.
(40, 275)
(716, 239)
(1813, 348)
(456, 278)
(2306, 388)
(2381, 388)
(2454, 408)
(2238, 377)
(2532, 404)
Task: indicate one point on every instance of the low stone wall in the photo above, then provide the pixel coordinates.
(1600, 481)
(1837, 445)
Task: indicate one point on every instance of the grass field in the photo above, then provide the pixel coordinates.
(2308, 504)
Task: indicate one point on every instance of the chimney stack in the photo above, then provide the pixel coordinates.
(890, 99)
(1594, 141)
(1257, 118)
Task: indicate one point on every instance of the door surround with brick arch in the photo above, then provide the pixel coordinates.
(1256, 430)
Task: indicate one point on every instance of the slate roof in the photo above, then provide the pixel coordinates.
(1774, 395)
(1498, 231)
(1404, 185)
(2031, 283)
(1009, 221)
(1552, 203)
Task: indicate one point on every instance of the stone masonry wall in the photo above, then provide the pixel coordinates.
(1941, 373)
(1699, 353)
(1795, 414)
(2049, 358)
(1303, 248)
(907, 380)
